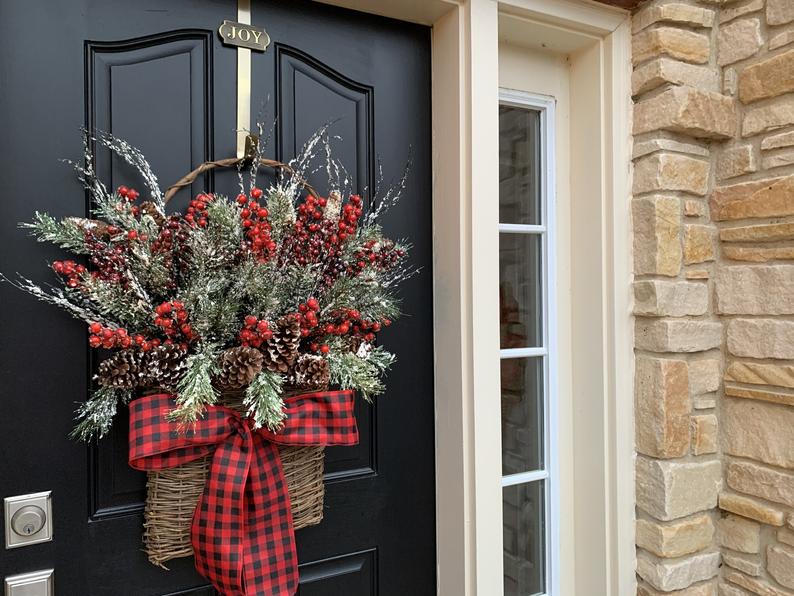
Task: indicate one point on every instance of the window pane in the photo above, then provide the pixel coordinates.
(524, 539)
(519, 165)
(520, 274)
(522, 415)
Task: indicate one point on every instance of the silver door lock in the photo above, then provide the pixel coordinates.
(28, 519)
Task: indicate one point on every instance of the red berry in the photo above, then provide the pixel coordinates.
(386, 322)
(343, 328)
(123, 190)
(242, 199)
(95, 328)
(313, 304)
(262, 213)
(302, 307)
(94, 341)
(250, 321)
(262, 326)
(256, 192)
(132, 234)
(314, 347)
(325, 349)
(132, 194)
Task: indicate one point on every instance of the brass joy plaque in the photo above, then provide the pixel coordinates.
(244, 36)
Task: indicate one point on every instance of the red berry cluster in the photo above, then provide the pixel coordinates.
(257, 227)
(307, 315)
(106, 337)
(70, 270)
(321, 239)
(383, 256)
(130, 194)
(197, 210)
(255, 332)
(172, 317)
(349, 322)
(109, 260)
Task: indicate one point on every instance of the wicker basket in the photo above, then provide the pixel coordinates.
(172, 496)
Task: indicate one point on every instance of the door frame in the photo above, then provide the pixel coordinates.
(598, 542)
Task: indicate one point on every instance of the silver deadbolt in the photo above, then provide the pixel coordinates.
(28, 520)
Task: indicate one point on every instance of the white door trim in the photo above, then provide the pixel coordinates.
(465, 138)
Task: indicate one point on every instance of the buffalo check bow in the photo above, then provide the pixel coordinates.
(242, 531)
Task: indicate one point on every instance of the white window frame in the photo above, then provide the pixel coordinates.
(545, 106)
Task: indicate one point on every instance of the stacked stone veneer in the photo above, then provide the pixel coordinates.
(713, 217)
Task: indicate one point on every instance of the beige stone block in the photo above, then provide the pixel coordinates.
(677, 335)
(754, 585)
(671, 171)
(758, 430)
(693, 274)
(759, 233)
(779, 12)
(674, 12)
(668, 141)
(769, 117)
(687, 110)
(657, 298)
(704, 376)
(761, 338)
(780, 564)
(661, 399)
(668, 575)
(751, 565)
(728, 14)
(736, 161)
(694, 208)
(670, 41)
(704, 434)
(777, 141)
(738, 40)
(785, 536)
(663, 71)
(755, 373)
(698, 243)
(657, 236)
(778, 159)
(781, 39)
(753, 254)
(773, 197)
(761, 481)
(675, 539)
(747, 507)
(739, 534)
(755, 289)
(790, 521)
(769, 78)
(704, 402)
(669, 490)
(708, 588)
(774, 397)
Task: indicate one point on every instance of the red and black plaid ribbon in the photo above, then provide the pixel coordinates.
(242, 530)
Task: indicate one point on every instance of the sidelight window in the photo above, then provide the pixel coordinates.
(526, 194)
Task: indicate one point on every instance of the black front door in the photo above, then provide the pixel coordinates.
(155, 73)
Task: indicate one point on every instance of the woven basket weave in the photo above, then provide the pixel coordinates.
(172, 496)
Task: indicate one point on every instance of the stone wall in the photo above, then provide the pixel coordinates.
(713, 216)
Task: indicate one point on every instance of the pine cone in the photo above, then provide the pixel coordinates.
(150, 209)
(122, 370)
(310, 374)
(164, 366)
(282, 349)
(238, 367)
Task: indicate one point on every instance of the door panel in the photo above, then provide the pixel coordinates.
(156, 74)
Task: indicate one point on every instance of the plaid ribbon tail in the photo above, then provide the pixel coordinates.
(242, 532)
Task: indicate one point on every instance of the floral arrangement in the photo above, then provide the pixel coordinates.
(274, 290)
